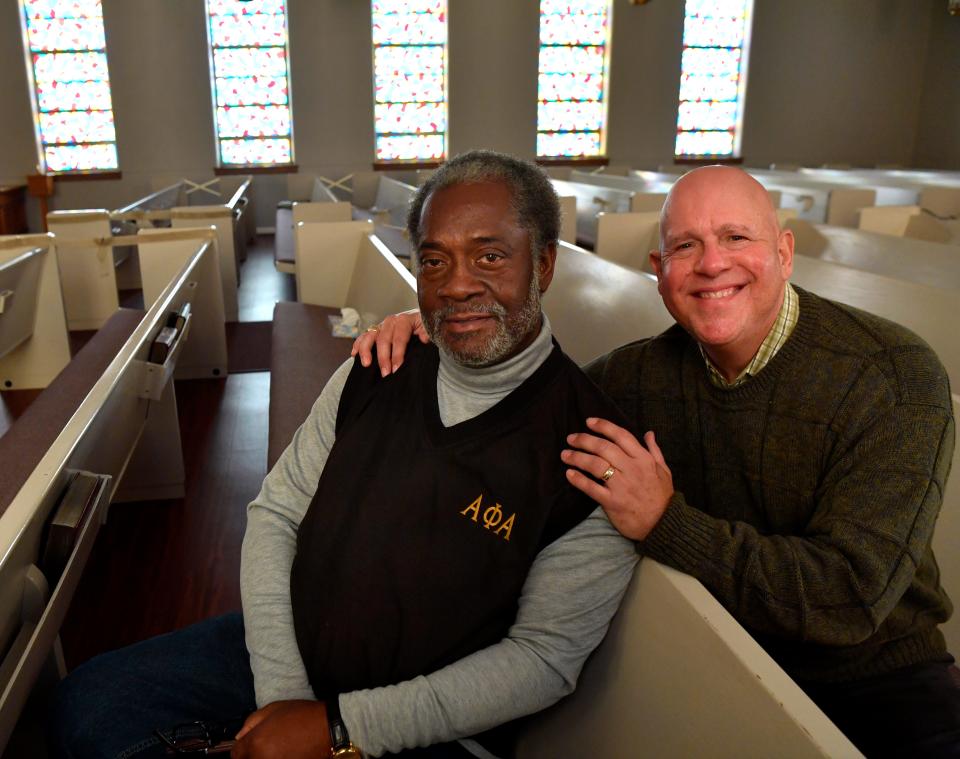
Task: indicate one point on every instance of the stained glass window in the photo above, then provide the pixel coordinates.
(251, 81)
(409, 77)
(713, 79)
(71, 86)
(572, 110)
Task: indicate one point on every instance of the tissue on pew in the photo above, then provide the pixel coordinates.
(347, 324)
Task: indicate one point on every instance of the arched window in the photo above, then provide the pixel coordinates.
(409, 79)
(572, 85)
(71, 86)
(250, 77)
(713, 79)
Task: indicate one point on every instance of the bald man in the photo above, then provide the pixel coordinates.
(797, 454)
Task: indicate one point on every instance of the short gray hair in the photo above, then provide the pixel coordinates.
(533, 198)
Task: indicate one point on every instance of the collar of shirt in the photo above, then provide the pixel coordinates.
(782, 328)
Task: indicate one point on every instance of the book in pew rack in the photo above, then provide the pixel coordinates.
(167, 336)
(68, 518)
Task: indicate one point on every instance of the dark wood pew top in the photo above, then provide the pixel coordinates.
(303, 356)
(26, 442)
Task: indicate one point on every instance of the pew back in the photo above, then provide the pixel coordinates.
(36, 361)
(592, 200)
(677, 676)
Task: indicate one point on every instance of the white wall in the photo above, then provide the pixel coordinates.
(862, 81)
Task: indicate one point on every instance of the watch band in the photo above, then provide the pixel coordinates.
(340, 744)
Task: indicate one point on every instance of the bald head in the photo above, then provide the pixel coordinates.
(698, 187)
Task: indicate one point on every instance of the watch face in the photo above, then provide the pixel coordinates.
(348, 752)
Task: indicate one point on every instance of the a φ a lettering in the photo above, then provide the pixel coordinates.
(492, 516)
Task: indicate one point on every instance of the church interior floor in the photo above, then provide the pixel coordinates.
(161, 565)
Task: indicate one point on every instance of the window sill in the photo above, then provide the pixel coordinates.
(396, 165)
(284, 168)
(83, 176)
(707, 161)
(585, 161)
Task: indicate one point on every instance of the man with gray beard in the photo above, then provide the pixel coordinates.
(416, 569)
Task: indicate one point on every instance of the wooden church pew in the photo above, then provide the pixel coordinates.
(112, 413)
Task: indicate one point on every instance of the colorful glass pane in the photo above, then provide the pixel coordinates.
(68, 128)
(251, 81)
(81, 157)
(570, 7)
(570, 87)
(572, 144)
(707, 115)
(705, 143)
(73, 96)
(410, 29)
(570, 116)
(713, 32)
(253, 152)
(572, 60)
(574, 29)
(409, 70)
(49, 9)
(66, 34)
(254, 90)
(712, 80)
(256, 30)
(253, 121)
(69, 67)
(246, 8)
(246, 62)
(410, 118)
(423, 147)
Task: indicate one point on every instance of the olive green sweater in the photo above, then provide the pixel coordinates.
(805, 498)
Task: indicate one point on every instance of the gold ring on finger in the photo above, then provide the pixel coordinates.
(608, 474)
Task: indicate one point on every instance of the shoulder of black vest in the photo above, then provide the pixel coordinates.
(364, 381)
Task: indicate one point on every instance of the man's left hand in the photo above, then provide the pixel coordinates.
(288, 729)
(636, 494)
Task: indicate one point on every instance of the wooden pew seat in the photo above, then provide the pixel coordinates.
(303, 355)
(25, 443)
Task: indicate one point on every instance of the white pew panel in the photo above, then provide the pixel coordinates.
(37, 361)
(676, 676)
(220, 217)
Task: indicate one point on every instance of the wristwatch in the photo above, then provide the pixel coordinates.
(340, 745)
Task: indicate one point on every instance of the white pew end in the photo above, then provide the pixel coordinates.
(886, 220)
(942, 200)
(35, 361)
(124, 413)
(677, 676)
(923, 226)
(162, 254)
(568, 219)
(628, 238)
(87, 274)
(595, 305)
(220, 217)
(343, 264)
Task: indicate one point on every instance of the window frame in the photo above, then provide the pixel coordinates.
(594, 159)
(43, 166)
(735, 156)
(220, 166)
(419, 162)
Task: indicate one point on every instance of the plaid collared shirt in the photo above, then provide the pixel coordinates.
(776, 337)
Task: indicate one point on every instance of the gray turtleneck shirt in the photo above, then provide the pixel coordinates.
(569, 596)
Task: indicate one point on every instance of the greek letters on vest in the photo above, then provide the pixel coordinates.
(491, 517)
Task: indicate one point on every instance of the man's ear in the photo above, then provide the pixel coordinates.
(785, 244)
(655, 262)
(545, 264)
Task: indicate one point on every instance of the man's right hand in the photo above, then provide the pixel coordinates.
(285, 730)
(391, 336)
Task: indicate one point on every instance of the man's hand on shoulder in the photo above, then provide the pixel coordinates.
(287, 729)
(635, 482)
(391, 337)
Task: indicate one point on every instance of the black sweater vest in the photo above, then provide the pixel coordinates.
(415, 547)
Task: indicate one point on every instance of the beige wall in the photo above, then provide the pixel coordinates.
(938, 132)
(862, 81)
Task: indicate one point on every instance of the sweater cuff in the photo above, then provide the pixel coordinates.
(683, 537)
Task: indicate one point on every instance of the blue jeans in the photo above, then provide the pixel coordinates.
(109, 707)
